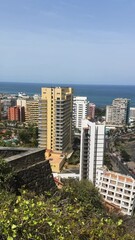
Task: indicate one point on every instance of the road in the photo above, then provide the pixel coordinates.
(110, 148)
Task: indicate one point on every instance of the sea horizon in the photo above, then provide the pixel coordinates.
(88, 84)
(100, 94)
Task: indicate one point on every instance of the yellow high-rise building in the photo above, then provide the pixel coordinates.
(55, 119)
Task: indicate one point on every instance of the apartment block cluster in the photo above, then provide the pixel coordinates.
(117, 189)
(58, 114)
(21, 108)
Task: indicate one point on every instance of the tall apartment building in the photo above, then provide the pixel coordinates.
(91, 111)
(32, 111)
(80, 110)
(118, 112)
(55, 119)
(21, 103)
(16, 113)
(92, 149)
(117, 188)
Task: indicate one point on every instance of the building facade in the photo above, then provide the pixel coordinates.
(21, 102)
(117, 188)
(118, 112)
(80, 110)
(91, 111)
(132, 113)
(32, 111)
(92, 149)
(5, 104)
(16, 113)
(55, 119)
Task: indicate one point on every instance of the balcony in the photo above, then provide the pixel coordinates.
(127, 192)
(128, 186)
(117, 195)
(119, 190)
(110, 193)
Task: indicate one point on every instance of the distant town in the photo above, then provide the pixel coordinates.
(80, 140)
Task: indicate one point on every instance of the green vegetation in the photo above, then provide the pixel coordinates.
(18, 135)
(6, 175)
(28, 137)
(75, 158)
(107, 161)
(125, 156)
(99, 113)
(75, 212)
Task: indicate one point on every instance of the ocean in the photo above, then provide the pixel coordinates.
(101, 95)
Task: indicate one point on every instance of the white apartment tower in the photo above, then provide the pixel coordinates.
(118, 112)
(92, 149)
(80, 110)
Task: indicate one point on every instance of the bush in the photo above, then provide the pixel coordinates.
(73, 213)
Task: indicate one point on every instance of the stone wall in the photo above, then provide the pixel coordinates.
(38, 177)
(6, 152)
(26, 159)
(31, 169)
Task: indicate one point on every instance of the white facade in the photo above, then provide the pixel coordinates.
(91, 110)
(117, 188)
(80, 110)
(21, 102)
(118, 112)
(132, 113)
(92, 149)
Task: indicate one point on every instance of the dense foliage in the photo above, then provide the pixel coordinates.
(18, 134)
(75, 158)
(75, 212)
(28, 136)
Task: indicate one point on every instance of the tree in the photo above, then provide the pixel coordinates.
(125, 156)
(29, 136)
(73, 213)
(24, 136)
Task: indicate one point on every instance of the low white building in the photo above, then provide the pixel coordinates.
(117, 188)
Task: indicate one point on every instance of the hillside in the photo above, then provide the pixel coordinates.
(76, 212)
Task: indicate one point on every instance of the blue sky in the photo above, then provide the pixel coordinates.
(67, 41)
